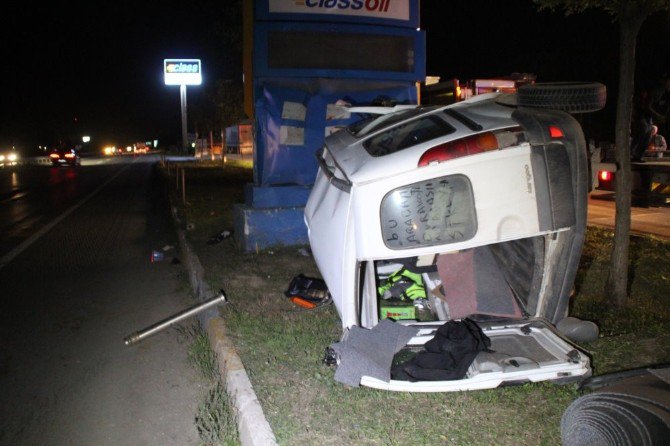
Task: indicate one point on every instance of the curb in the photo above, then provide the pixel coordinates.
(253, 428)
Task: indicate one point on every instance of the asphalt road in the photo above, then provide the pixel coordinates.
(75, 279)
(644, 220)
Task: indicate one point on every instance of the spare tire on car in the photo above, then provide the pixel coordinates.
(571, 97)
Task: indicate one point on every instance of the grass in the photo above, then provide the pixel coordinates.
(215, 418)
(637, 333)
(282, 346)
(200, 354)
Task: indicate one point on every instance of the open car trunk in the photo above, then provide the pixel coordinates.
(505, 288)
(521, 351)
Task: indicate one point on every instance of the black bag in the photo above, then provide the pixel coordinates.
(308, 292)
(447, 356)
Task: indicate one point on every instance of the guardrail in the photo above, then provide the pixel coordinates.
(35, 160)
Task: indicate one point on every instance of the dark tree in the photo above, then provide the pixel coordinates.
(629, 14)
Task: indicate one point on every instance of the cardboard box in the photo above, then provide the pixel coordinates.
(397, 312)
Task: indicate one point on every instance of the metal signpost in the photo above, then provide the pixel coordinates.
(182, 72)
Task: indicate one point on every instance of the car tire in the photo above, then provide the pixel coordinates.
(571, 97)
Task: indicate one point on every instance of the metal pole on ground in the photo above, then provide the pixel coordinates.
(165, 323)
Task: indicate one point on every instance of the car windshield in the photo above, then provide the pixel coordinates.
(377, 122)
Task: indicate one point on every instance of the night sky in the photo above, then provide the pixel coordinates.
(97, 68)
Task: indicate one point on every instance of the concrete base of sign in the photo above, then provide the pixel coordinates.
(262, 228)
(271, 216)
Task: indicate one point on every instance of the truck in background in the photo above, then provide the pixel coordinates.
(651, 178)
(434, 92)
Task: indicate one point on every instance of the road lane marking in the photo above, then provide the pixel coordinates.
(11, 255)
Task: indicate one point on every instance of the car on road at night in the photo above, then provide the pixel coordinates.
(9, 158)
(65, 156)
(471, 210)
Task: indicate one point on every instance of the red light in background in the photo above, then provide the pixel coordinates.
(605, 175)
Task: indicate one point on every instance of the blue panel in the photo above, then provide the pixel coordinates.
(282, 164)
(265, 228)
(340, 11)
(284, 50)
(275, 196)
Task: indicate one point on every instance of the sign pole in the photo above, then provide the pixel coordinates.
(184, 138)
(183, 72)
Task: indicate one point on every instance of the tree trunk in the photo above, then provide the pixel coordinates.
(617, 280)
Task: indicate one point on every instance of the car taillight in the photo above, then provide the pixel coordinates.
(462, 147)
(555, 132)
(54, 156)
(69, 155)
(605, 175)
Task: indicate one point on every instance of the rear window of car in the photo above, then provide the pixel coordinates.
(408, 134)
(434, 212)
(373, 123)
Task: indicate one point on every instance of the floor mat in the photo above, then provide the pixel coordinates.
(370, 352)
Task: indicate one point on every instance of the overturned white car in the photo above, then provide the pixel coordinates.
(481, 205)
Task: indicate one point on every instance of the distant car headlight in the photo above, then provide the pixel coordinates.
(433, 212)
(2, 157)
(12, 157)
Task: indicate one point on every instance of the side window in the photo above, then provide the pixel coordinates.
(407, 135)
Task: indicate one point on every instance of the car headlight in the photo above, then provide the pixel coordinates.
(12, 157)
(432, 212)
(2, 157)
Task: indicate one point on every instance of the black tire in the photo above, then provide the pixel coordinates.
(571, 97)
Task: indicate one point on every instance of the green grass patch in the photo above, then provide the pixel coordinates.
(200, 354)
(215, 420)
(282, 346)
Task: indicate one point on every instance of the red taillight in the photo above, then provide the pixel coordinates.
(54, 156)
(555, 132)
(604, 175)
(69, 155)
(462, 147)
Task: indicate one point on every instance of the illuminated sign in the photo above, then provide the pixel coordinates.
(387, 9)
(182, 71)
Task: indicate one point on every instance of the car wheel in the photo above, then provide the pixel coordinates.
(571, 97)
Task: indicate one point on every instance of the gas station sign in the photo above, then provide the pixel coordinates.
(182, 71)
(385, 9)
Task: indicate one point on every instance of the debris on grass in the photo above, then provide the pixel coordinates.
(221, 236)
